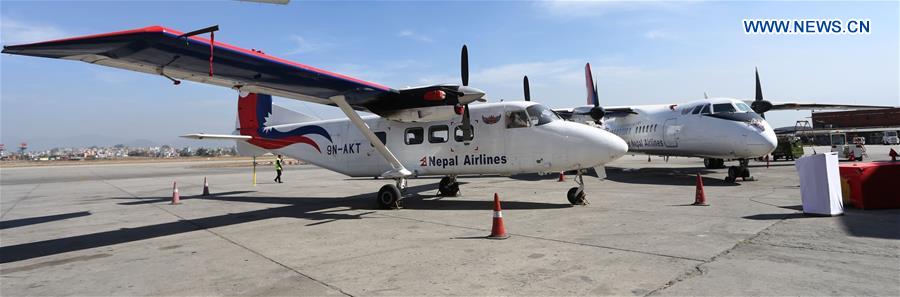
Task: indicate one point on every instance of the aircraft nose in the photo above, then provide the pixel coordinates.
(763, 142)
(604, 147)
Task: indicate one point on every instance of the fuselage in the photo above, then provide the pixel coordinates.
(509, 138)
(720, 128)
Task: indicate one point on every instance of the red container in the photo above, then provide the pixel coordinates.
(872, 184)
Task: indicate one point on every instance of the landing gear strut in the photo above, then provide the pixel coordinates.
(741, 171)
(576, 194)
(390, 197)
(448, 187)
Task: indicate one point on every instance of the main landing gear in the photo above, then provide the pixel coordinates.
(576, 195)
(710, 163)
(390, 197)
(448, 187)
(742, 171)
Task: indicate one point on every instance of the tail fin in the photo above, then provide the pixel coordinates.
(256, 111)
(256, 117)
(590, 86)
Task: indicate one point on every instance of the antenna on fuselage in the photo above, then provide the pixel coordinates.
(705, 95)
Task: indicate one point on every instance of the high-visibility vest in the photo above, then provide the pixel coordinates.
(277, 164)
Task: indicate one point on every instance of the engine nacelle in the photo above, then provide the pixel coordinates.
(422, 114)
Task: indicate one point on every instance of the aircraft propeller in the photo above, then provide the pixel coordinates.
(527, 89)
(464, 73)
(759, 104)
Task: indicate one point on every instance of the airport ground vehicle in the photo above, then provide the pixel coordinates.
(846, 150)
(789, 148)
(890, 137)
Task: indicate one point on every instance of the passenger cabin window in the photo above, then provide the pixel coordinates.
(415, 135)
(458, 134)
(723, 108)
(438, 134)
(697, 109)
(705, 109)
(516, 119)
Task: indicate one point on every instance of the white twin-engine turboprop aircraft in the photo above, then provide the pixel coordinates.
(715, 129)
(427, 130)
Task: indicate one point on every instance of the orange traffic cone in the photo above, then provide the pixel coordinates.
(700, 197)
(205, 187)
(498, 231)
(893, 155)
(562, 176)
(176, 199)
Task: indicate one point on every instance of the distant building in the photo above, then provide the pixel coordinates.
(857, 118)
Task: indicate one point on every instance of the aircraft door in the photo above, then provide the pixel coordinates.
(672, 130)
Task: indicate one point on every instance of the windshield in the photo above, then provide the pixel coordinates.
(890, 133)
(539, 115)
(723, 107)
(743, 107)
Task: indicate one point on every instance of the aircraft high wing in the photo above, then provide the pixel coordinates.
(187, 56)
(761, 106)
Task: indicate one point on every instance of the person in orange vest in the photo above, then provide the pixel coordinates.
(278, 169)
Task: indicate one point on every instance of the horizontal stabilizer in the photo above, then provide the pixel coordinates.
(216, 136)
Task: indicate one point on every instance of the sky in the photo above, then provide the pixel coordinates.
(641, 53)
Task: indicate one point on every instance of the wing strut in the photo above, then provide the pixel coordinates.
(397, 170)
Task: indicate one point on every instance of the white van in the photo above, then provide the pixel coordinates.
(890, 137)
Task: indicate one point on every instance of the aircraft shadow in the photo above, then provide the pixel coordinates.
(317, 209)
(666, 176)
(39, 220)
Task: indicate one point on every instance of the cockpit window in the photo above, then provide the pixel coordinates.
(743, 107)
(705, 109)
(516, 119)
(723, 108)
(540, 115)
(697, 109)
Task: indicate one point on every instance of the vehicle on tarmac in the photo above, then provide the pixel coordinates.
(849, 151)
(417, 131)
(715, 129)
(789, 148)
(890, 137)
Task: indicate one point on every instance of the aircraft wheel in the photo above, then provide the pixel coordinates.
(708, 163)
(389, 197)
(448, 187)
(729, 179)
(576, 197)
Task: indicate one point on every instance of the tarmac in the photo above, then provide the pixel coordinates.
(110, 230)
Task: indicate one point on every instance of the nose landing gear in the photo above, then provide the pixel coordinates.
(390, 196)
(742, 171)
(448, 187)
(576, 195)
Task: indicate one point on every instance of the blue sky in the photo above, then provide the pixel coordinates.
(641, 52)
